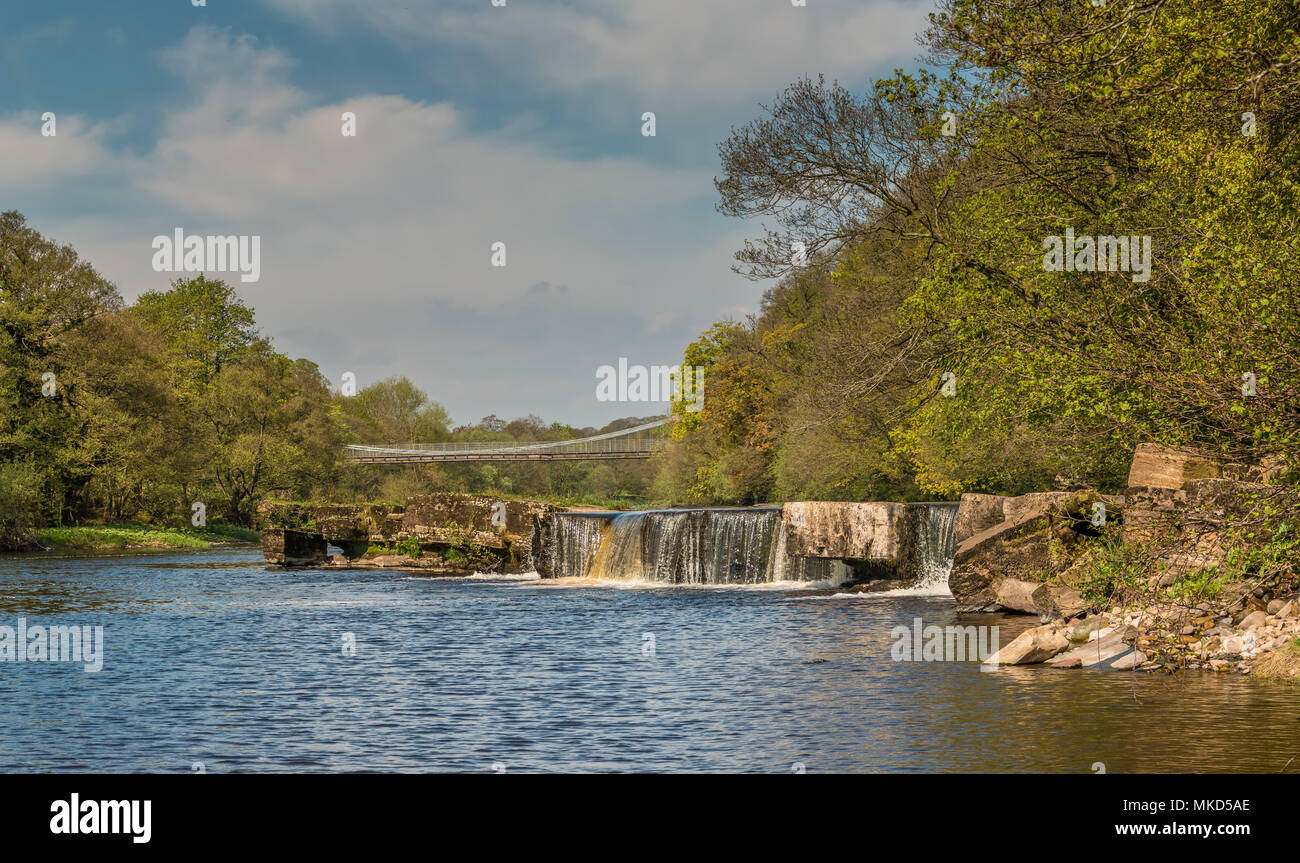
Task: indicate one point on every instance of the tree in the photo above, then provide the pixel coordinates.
(205, 327)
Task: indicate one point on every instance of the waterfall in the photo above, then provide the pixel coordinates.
(731, 546)
(571, 542)
(701, 546)
(933, 546)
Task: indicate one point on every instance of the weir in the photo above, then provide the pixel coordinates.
(838, 543)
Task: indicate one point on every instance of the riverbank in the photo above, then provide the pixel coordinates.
(99, 537)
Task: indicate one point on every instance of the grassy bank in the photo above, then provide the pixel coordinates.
(134, 535)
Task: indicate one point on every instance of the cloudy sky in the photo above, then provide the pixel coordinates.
(476, 124)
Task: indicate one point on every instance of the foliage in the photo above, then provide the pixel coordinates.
(1175, 121)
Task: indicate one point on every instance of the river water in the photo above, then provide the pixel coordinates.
(212, 658)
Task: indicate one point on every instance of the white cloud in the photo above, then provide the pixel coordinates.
(716, 51)
(33, 160)
(376, 249)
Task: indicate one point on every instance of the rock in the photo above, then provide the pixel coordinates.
(384, 561)
(1018, 595)
(1031, 646)
(1059, 600)
(1083, 630)
(1109, 645)
(1252, 620)
(1158, 466)
(1127, 661)
(879, 585)
(1275, 606)
(1290, 609)
(977, 513)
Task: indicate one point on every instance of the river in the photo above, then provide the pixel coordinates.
(213, 661)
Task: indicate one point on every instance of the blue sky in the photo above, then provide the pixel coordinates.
(476, 124)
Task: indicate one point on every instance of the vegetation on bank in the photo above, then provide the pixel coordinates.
(132, 535)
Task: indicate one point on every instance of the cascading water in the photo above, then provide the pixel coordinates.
(570, 544)
(703, 546)
(724, 546)
(933, 546)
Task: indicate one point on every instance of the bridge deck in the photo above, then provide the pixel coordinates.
(489, 456)
(611, 445)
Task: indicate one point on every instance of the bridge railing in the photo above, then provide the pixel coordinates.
(621, 441)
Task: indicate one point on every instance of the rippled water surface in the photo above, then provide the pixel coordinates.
(211, 657)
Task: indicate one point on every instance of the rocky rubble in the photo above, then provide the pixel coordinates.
(1030, 553)
(1228, 637)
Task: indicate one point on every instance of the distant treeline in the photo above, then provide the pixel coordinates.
(930, 333)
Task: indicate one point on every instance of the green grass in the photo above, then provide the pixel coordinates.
(133, 535)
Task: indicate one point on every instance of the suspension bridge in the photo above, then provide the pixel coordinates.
(625, 443)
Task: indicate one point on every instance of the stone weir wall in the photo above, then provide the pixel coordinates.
(455, 533)
(870, 545)
(445, 532)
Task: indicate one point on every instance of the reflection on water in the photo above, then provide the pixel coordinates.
(212, 657)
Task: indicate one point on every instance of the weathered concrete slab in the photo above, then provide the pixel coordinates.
(1159, 466)
(293, 547)
(873, 530)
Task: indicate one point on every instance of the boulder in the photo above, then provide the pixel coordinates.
(1031, 646)
(1059, 600)
(1127, 661)
(879, 585)
(977, 513)
(1254, 619)
(1018, 595)
(1108, 644)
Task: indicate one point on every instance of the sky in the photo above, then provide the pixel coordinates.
(475, 124)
